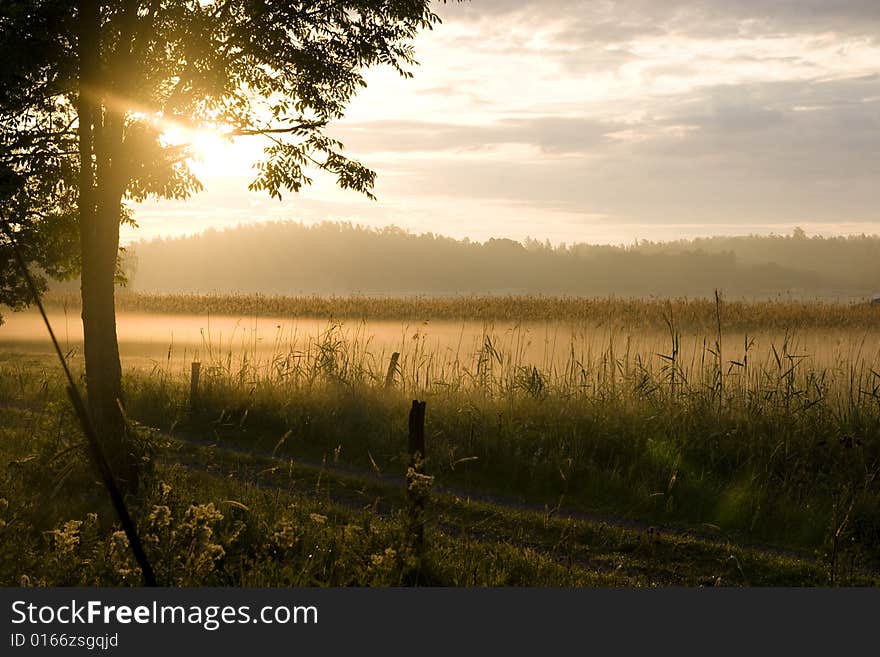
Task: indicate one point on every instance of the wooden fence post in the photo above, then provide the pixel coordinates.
(194, 387)
(392, 370)
(416, 484)
(417, 434)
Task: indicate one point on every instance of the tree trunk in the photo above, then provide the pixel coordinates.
(103, 369)
(100, 198)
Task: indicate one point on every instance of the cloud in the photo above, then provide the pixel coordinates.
(786, 151)
(614, 21)
(786, 127)
(551, 116)
(798, 131)
(549, 134)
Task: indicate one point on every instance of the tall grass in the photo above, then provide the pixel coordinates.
(776, 443)
(695, 313)
(765, 436)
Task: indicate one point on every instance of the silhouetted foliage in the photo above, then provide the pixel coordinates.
(47, 247)
(291, 258)
(37, 174)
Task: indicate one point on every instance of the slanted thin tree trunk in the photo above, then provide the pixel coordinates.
(99, 213)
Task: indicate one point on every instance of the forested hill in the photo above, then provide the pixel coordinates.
(332, 258)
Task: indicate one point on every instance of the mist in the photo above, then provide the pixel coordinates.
(341, 258)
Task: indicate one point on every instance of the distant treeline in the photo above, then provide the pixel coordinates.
(339, 258)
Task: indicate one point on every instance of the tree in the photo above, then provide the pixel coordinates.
(93, 85)
(36, 195)
(45, 235)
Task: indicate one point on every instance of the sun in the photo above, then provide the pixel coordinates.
(213, 153)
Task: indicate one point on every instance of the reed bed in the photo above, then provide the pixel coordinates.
(690, 313)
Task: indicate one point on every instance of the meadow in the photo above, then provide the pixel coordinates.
(570, 442)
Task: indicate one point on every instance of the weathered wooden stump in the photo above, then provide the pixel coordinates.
(417, 483)
(392, 370)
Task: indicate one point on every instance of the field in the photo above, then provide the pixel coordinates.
(569, 442)
(696, 313)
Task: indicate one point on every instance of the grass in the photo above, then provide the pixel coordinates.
(731, 445)
(769, 448)
(212, 516)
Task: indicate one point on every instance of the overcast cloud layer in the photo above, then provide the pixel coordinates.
(606, 121)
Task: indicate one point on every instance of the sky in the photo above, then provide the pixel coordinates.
(600, 121)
